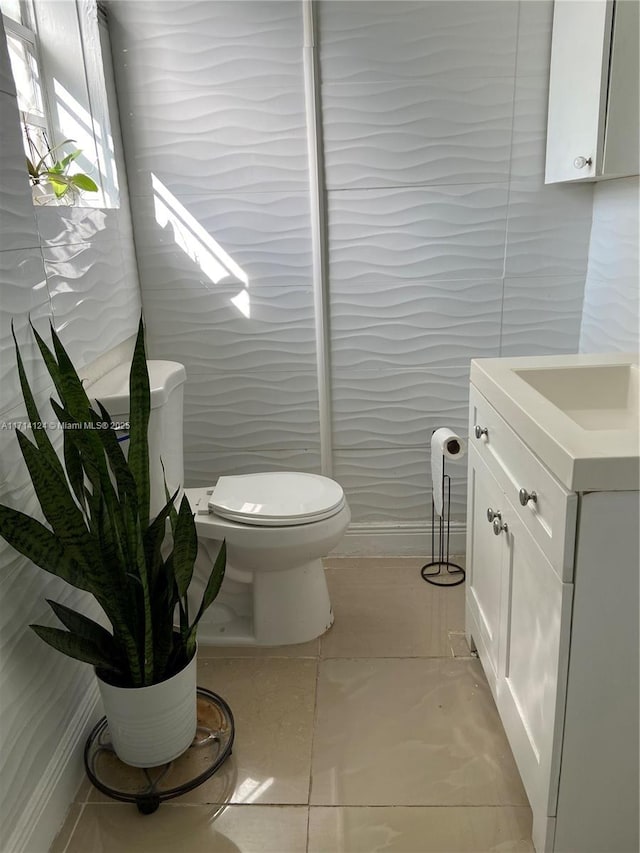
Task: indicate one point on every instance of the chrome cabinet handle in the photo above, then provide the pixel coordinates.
(581, 162)
(526, 496)
(491, 514)
(499, 526)
(480, 431)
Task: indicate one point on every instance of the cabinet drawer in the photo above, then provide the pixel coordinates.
(551, 518)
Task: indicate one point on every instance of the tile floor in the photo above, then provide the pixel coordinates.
(380, 736)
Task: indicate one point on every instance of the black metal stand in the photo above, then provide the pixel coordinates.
(443, 571)
(147, 787)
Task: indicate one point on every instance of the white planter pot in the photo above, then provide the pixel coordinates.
(152, 725)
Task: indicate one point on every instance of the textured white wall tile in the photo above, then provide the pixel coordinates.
(548, 229)
(62, 226)
(394, 485)
(17, 222)
(254, 239)
(415, 325)
(397, 407)
(456, 131)
(417, 233)
(239, 140)
(614, 252)
(251, 411)
(207, 330)
(202, 467)
(24, 295)
(611, 316)
(528, 150)
(534, 37)
(541, 316)
(95, 306)
(369, 41)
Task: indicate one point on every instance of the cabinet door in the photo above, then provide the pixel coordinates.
(533, 661)
(578, 88)
(484, 570)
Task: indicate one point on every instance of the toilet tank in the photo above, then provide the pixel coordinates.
(166, 380)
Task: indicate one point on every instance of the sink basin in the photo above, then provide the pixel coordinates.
(580, 414)
(598, 397)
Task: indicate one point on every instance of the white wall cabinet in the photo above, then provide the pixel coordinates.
(552, 618)
(593, 121)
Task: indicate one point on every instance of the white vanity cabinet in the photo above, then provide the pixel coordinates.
(593, 119)
(533, 580)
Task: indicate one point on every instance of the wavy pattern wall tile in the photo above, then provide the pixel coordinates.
(528, 149)
(205, 329)
(382, 485)
(260, 238)
(94, 305)
(541, 316)
(398, 408)
(202, 467)
(535, 19)
(416, 233)
(370, 41)
(24, 294)
(456, 131)
(63, 226)
(548, 229)
(611, 317)
(251, 411)
(17, 222)
(239, 140)
(614, 252)
(415, 325)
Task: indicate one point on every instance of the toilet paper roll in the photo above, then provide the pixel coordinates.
(445, 444)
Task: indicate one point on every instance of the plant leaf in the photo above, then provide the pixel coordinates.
(213, 587)
(41, 546)
(87, 629)
(70, 158)
(74, 646)
(139, 410)
(185, 547)
(83, 182)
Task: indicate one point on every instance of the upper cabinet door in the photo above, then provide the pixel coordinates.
(592, 128)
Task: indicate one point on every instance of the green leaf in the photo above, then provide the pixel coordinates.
(185, 547)
(41, 546)
(50, 151)
(83, 182)
(70, 158)
(139, 410)
(212, 589)
(74, 646)
(87, 629)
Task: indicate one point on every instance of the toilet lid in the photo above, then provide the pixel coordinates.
(276, 499)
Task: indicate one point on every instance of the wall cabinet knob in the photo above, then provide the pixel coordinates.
(526, 496)
(491, 514)
(581, 162)
(480, 431)
(499, 526)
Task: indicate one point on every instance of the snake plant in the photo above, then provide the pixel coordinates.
(99, 536)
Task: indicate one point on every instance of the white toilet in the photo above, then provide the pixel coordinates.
(277, 526)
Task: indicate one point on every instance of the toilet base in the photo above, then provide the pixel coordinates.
(276, 609)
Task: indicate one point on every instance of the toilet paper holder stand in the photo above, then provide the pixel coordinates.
(441, 570)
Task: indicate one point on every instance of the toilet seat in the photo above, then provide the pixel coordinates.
(276, 499)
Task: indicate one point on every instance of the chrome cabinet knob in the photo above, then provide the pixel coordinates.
(581, 162)
(499, 526)
(491, 514)
(526, 496)
(480, 431)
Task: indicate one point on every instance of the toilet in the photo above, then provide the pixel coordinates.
(277, 526)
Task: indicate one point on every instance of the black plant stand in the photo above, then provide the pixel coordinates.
(147, 787)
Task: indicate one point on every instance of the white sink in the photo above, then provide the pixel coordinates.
(596, 397)
(579, 413)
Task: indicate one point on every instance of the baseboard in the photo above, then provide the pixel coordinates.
(43, 814)
(397, 540)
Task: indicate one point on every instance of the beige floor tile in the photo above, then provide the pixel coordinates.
(117, 828)
(390, 611)
(300, 650)
(420, 830)
(272, 701)
(62, 838)
(409, 732)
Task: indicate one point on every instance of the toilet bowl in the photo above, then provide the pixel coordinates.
(277, 527)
